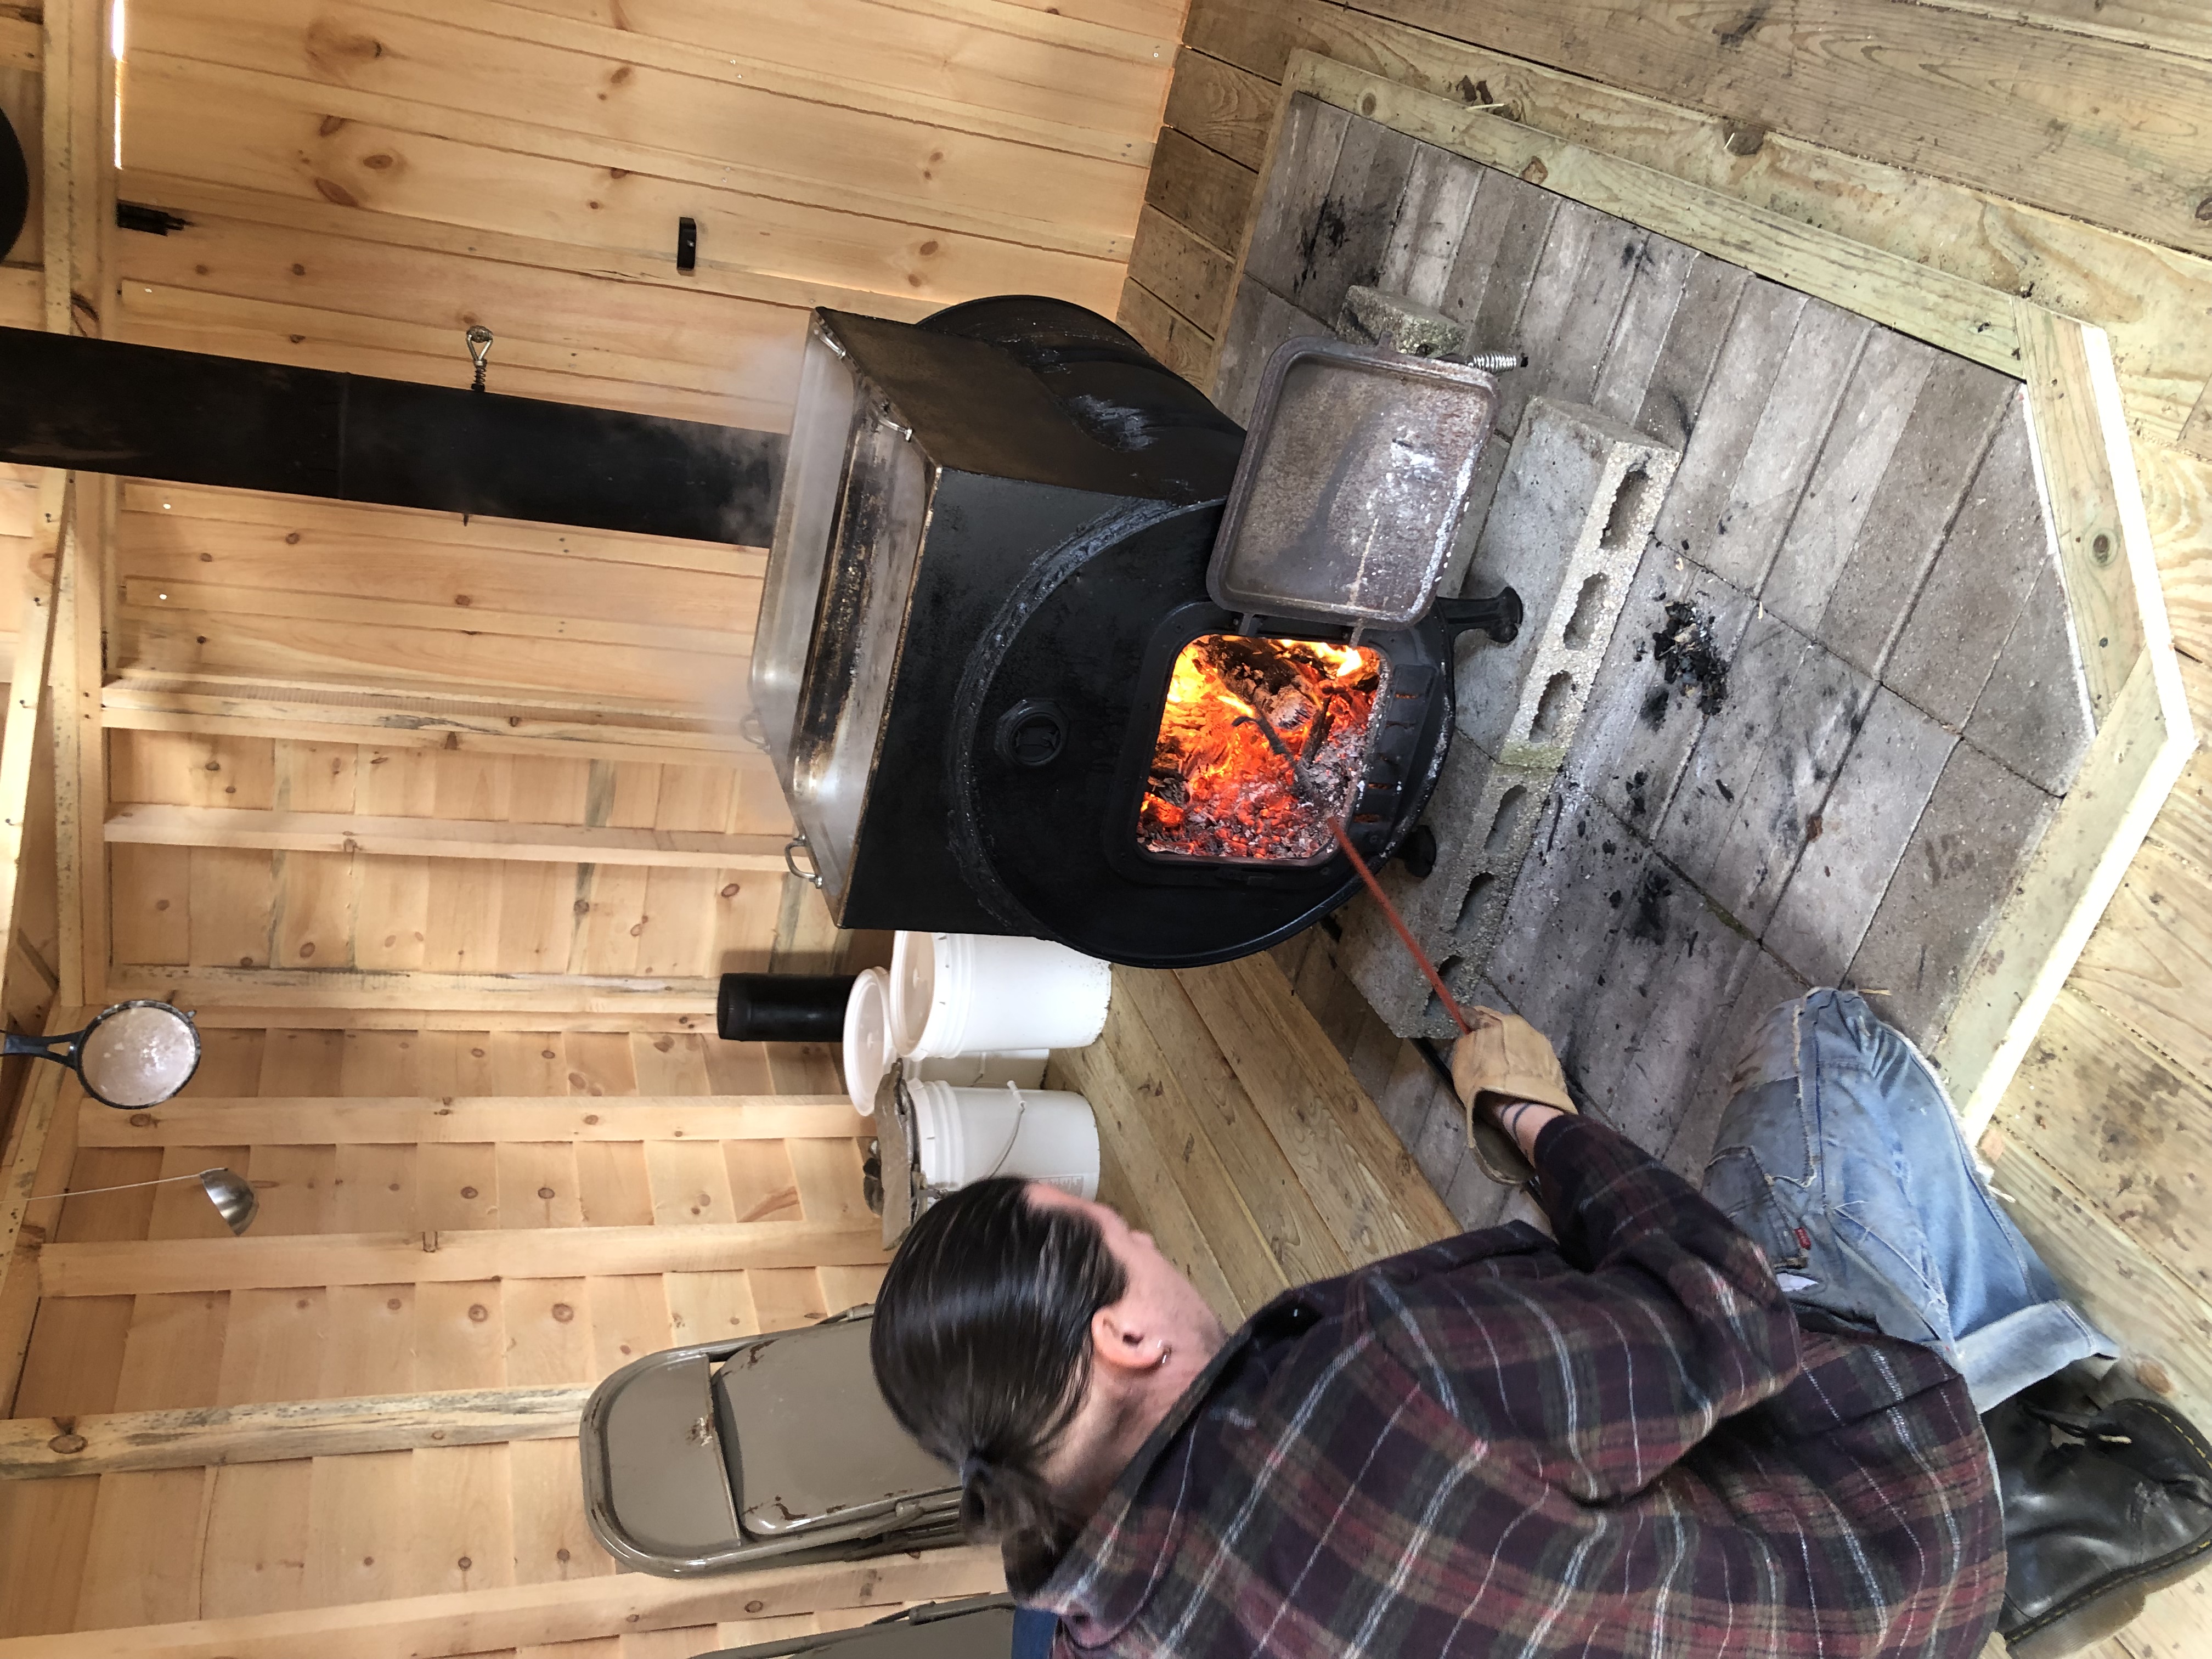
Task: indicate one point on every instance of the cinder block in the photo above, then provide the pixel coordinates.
(1476, 1200)
(1370, 317)
(1569, 521)
(1638, 729)
(1742, 810)
(1575, 891)
(1440, 1145)
(1484, 814)
(1565, 531)
(1481, 490)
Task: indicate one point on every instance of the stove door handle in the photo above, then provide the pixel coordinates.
(1499, 616)
(811, 874)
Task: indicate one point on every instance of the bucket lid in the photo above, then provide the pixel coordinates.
(913, 987)
(868, 1051)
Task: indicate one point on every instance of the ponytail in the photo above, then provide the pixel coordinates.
(981, 1347)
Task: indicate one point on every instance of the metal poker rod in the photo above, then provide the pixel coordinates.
(1303, 785)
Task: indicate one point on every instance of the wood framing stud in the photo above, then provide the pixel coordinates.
(347, 988)
(43, 1447)
(1931, 304)
(266, 711)
(314, 1120)
(2085, 467)
(531, 1615)
(80, 744)
(441, 838)
(40, 1148)
(277, 1262)
(27, 697)
(2086, 471)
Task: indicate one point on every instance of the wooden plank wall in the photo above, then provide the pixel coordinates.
(361, 186)
(366, 181)
(215, 596)
(2105, 1142)
(443, 826)
(282, 1536)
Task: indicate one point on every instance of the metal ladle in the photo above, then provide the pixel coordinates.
(227, 1190)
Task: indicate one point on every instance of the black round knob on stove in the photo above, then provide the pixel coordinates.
(1418, 852)
(1031, 733)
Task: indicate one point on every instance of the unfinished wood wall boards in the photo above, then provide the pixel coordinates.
(445, 826)
(557, 1195)
(366, 181)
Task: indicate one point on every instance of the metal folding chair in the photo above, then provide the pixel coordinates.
(778, 1446)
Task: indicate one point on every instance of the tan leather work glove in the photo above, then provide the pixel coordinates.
(1503, 1058)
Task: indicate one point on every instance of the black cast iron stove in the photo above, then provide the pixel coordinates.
(999, 693)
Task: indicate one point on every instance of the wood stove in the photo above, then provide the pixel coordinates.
(999, 693)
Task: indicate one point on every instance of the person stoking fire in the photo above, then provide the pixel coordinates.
(1743, 1422)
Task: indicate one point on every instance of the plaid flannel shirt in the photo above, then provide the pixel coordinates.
(1620, 1444)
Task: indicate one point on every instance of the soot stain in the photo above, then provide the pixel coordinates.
(1692, 663)
(1745, 26)
(1649, 921)
(1327, 235)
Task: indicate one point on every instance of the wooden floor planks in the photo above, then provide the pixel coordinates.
(1235, 1131)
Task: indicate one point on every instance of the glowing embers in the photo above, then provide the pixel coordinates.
(1217, 788)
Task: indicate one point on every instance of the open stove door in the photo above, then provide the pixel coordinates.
(1352, 486)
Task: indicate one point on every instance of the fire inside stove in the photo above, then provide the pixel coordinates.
(1218, 789)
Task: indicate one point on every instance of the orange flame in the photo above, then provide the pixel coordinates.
(1216, 788)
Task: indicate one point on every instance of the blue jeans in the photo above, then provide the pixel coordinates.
(1839, 1155)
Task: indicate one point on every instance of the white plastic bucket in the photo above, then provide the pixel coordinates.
(869, 1051)
(975, 993)
(962, 1135)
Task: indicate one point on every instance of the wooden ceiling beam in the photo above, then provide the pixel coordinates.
(471, 1119)
(40, 1448)
(529, 1616)
(278, 1261)
(440, 838)
(419, 991)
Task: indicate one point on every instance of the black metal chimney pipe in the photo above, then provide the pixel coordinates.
(186, 417)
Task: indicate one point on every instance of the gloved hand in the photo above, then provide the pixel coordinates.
(1507, 1057)
(1504, 1059)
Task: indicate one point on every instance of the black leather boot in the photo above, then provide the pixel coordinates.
(2102, 1507)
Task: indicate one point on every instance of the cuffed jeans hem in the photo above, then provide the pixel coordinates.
(2025, 1346)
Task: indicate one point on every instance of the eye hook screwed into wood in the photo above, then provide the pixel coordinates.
(480, 340)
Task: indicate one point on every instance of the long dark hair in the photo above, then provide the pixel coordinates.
(981, 1347)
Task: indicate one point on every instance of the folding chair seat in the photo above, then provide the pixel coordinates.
(778, 1446)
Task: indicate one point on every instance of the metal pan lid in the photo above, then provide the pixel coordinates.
(1352, 483)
